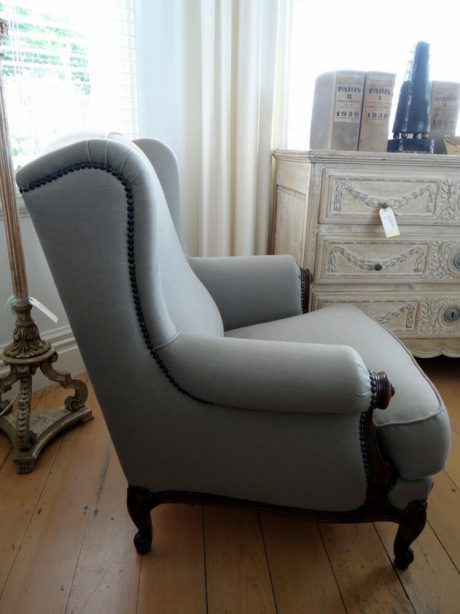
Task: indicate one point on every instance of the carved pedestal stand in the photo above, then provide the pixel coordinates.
(29, 432)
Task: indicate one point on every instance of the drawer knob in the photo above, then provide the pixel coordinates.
(452, 314)
(456, 260)
(378, 266)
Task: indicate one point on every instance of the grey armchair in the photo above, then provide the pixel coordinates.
(214, 385)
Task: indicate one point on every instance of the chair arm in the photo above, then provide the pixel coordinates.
(253, 289)
(270, 375)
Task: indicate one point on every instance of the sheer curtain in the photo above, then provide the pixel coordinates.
(213, 75)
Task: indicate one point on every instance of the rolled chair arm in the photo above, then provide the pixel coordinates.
(271, 375)
(250, 290)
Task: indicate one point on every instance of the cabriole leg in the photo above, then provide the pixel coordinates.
(411, 525)
(140, 505)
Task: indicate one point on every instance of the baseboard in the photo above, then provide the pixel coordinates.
(70, 359)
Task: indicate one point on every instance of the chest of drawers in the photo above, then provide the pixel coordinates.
(326, 214)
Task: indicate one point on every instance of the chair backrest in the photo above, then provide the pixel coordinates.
(161, 157)
(107, 233)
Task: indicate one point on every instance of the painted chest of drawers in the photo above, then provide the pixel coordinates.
(326, 214)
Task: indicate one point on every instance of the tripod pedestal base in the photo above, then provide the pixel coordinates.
(30, 431)
(45, 425)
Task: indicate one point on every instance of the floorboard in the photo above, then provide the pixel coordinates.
(55, 533)
(303, 578)
(19, 495)
(237, 572)
(365, 576)
(173, 576)
(431, 582)
(66, 542)
(107, 573)
(444, 515)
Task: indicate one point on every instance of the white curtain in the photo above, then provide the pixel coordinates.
(214, 75)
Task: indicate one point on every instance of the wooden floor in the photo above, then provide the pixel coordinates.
(66, 543)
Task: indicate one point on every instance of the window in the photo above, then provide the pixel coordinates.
(360, 35)
(68, 67)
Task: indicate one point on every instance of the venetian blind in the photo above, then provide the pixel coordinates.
(68, 67)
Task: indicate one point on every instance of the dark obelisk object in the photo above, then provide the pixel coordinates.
(412, 121)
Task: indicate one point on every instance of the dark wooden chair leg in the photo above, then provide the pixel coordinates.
(411, 525)
(140, 504)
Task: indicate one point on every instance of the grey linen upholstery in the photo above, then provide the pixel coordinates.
(165, 164)
(271, 411)
(416, 418)
(252, 289)
(241, 287)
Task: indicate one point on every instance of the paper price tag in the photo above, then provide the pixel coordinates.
(8, 406)
(390, 226)
(9, 302)
(47, 312)
(33, 301)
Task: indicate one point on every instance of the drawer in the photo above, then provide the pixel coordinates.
(369, 259)
(356, 197)
(407, 315)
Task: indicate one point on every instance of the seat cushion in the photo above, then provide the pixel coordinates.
(414, 430)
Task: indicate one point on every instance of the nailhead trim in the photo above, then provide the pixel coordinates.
(373, 379)
(130, 250)
(303, 284)
(362, 438)
(364, 451)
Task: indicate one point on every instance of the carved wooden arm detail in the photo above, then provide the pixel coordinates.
(384, 390)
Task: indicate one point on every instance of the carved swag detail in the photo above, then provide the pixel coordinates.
(368, 264)
(445, 207)
(343, 188)
(410, 311)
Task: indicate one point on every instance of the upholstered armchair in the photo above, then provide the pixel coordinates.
(215, 386)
